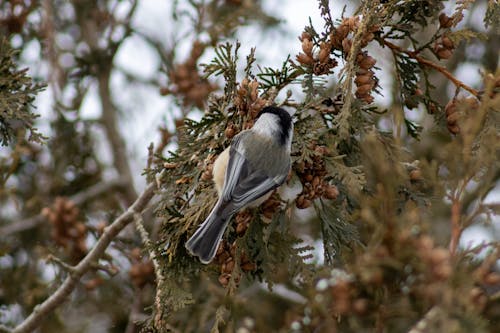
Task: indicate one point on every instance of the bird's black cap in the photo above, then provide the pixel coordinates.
(285, 120)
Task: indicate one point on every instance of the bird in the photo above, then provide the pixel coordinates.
(256, 162)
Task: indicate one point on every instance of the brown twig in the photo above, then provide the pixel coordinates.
(349, 68)
(59, 296)
(456, 228)
(109, 120)
(109, 117)
(429, 63)
(135, 312)
(156, 264)
(79, 199)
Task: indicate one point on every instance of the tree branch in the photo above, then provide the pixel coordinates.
(109, 120)
(58, 297)
(79, 199)
(429, 63)
(160, 280)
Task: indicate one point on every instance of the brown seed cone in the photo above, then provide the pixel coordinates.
(241, 228)
(307, 47)
(302, 203)
(324, 55)
(367, 62)
(454, 129)
(472, 102)
(363, 79)
(444, 53)
(445, 21)
(305, 35)
(452, 118)
(331, 192)
(346, 45)
(224, 279)
(447, 42)
(415, 175)
(364, 89)
(451, 107)
(304, 59)
(230, 131)
(227, 266)
(492, 279)
(254, 92)
(249, 266)
(367, 38)
(368, 99)
(351, 22)
(321, 68)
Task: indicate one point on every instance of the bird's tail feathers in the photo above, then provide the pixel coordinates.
(206, 239)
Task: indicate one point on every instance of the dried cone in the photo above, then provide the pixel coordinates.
(187, 82)
(242, 220)
(451, 116)
(246, 265)
(447, 43)
(67, 231)
(338, 35)
(230, 131)
(302, 202)
(444, 48)
(270, 206)
(415, 175)
(445, 21)
(331, 192)
(141, 273)
(365, 80)
(304, 59)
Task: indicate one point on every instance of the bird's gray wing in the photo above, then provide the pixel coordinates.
(243, 182)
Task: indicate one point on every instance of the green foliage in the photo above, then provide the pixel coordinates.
(336, 230)
(274, 248)
(390, 193)
(492, 15)
(277, 78)
(17, 93)
(415, 11)
(224, 63)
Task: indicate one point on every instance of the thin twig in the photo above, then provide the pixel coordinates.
(5, 329)
(429, 63)
(80, 198)
(57, 261)
(159, 276)
(456, 228)
(349, 68)
(134, 313)
(59, 296)
(423, 324)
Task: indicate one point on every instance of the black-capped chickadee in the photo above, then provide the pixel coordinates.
(256, 162)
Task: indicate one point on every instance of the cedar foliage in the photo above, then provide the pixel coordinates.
(386, 204)
(377, 232)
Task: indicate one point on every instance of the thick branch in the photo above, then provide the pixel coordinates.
(79, 199)
(65, 289)
(109, 120)
(429, 63)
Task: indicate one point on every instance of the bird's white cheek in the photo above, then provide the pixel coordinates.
(219, 170)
